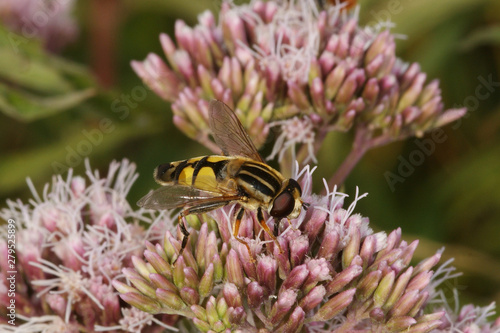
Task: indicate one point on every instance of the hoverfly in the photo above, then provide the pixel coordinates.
(240, 175)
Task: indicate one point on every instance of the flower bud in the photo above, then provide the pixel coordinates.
(294, 322)
(255, 294)
(159, 281)
(207, 281)
(199, 312)
(212, 314)
(234, 270)
(178, 274)
(399, 288)
(368, 284)
(266, 272)
(396, 324)
(298, 248)
(142, 302)
(405, 304)
(313, 298)
(158, 263)
(170, 299)
(281, 307)
(329, 244)
(142, 285)
(189, 295)
(295, 278)
(343, 278)
(352, 248)
(384, 289)
(232, 295)
(334, 305)
(191, 278)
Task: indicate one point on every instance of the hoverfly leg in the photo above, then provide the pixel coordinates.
(185, 235)
(276, 227)
(264, 226)
(291, 224)
(236, 229)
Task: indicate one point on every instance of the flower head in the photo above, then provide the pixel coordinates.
(292, 65)
(308, 69)
(50, 21)
(72, 241)
(333, 273)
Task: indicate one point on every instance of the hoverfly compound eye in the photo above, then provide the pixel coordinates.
(283, 205)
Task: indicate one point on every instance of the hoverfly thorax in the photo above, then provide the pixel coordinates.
(287, 203)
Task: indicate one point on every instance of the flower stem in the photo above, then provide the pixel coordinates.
(288, 161)
(360, 146)
(104, 39)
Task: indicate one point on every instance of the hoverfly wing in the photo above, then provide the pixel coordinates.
(174, 196)
(229, 134)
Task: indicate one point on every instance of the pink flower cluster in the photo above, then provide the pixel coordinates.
(70, 243)
(301, 68)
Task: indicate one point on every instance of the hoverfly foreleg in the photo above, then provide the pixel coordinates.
(276, 227)
(291, 224)
(264, 226)
(236, 229)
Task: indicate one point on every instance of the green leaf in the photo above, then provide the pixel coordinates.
(41, 162)
(483, 36)
(27, 107)
(36, 84)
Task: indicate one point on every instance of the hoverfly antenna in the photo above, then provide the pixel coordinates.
(306, 205)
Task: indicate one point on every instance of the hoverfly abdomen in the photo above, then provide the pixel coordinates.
(204, 172)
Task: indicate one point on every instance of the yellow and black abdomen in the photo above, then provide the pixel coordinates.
(204, 172)
(259, 180)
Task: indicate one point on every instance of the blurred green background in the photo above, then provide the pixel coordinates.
(53, 106)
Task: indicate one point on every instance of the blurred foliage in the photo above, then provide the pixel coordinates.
(36, 84)
(54, 114)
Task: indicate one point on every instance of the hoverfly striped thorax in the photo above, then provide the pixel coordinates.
(204, 183)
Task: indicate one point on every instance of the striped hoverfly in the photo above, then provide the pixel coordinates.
(201, 184)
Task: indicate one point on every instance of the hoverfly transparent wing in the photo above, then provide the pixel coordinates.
(229, 134)
(175, 196)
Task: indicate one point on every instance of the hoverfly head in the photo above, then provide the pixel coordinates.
(287, 203)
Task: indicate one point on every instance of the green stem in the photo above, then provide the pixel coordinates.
(287, 162)
(360, 146)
